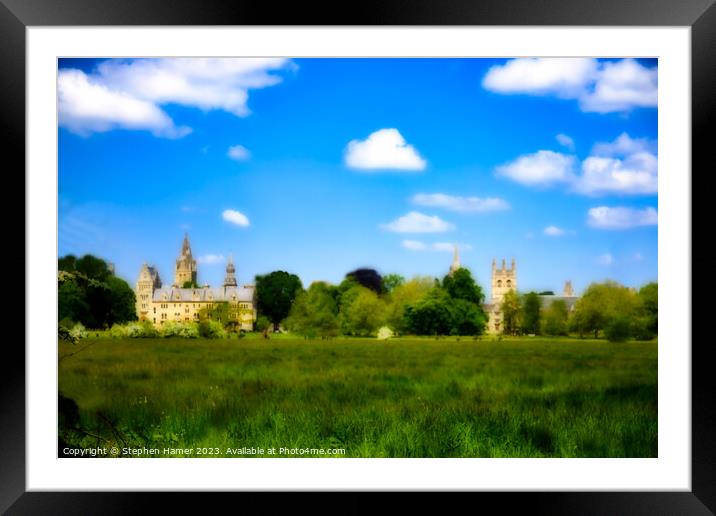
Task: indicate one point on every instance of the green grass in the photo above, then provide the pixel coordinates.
(528, 397)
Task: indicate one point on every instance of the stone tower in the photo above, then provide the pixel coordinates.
(455, 261)
(230, 280)
(144, 290)
(186, 265)
(503, 280)
(568, 290)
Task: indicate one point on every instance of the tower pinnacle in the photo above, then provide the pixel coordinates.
(455, 261)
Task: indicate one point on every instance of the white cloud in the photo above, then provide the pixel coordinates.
(461, 204)
(235, 217)
(85, 107)
(624, 145)
(443, 247)
(602, 87)
(543, 168)
(415, 245)
(565, 141)
(624, 166)
(211, 259)
(605, 259)
(127, 94)
(415, 222)
(554, 231)
(238, 153)
(564, 77)
(621, 86)
(383, 149)
(604, 217)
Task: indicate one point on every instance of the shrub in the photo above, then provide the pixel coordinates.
(618, 329)
(78, 331)
(384, 333)
(211, 330)
(177, 329)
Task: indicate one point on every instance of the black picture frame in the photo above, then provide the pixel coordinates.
(699, 15)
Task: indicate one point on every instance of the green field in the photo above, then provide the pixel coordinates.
(526, 397)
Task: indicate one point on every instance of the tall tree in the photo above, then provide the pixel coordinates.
(403, 295)
(369, 278)
(461, 285)
(275, 293)
(511, 309)
(431, 315)
(600, 304)
(555, 318)
(315, 312)
(391, 282)
(649, 295)
(362, 312)
(531, 313)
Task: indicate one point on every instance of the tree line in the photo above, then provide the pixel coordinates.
(365, 301)
(605, 309)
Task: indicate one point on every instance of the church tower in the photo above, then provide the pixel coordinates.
(186, 265)
(230, 280)
(455, 262)
(503, 280)
(568, 290)
(144, 290)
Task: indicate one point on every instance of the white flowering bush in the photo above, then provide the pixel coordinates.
(177, 329)
(78, 331)
(384, 333)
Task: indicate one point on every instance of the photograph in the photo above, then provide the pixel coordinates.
(357, 257)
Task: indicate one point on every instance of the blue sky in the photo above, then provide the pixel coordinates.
(320, 166)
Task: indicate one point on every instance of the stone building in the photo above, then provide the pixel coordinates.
(504, 280)
(184, 299)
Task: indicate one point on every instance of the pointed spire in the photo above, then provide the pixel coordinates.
(230, 280)
(185, 247)
(455, 261)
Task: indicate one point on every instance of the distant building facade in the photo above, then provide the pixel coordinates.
(183, 301)
(504, 280)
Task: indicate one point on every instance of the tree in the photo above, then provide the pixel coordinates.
(467, 318)
(91, 295)
(275, 293)
(601, 303)
(391, 282)
(315, 312)
(511, 308)
(649, 296)
(369, 278)
(71, 303)
(461, 285)
(403, 295)
(431, 315)
(66, 263)
(362, 312)
(531, 313)
(617, 329)
(92, 267)
(555, 318)
(121, 301)
(189, 284)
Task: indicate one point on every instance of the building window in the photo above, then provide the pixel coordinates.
(509, 283)
(499, 283)
(155, 309)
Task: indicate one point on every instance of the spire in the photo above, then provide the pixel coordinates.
(455, 261)
(185, 247)
(513, 264)
(504, 267)
(230, 280)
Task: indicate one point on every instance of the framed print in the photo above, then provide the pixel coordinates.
(420, 252)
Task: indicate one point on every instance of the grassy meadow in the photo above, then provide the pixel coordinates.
(408, 397)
